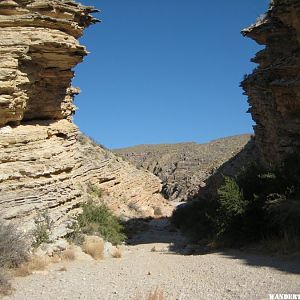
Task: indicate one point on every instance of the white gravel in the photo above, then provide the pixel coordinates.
(223, 275)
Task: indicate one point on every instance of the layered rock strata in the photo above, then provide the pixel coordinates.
(46, 164)
(274, 86)
(38, 50)
(184, 168)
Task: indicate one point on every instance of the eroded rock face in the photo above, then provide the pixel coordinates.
(45, 162)
(274, 86)
(50, 165)
(184, 167)
(38, 50)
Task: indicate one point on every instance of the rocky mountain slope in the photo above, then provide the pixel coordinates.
(274, 86)
(45, 162)
(184, 167)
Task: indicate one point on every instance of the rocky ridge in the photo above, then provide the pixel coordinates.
(274, 86)
(45, 162)
(184, 168)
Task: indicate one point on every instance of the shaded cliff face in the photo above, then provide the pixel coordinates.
(184, 168)
(274, 86)
(45, 162)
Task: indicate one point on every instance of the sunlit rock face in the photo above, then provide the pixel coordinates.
(45, 162)
(274, 86)
(184, 167)
(38, 49)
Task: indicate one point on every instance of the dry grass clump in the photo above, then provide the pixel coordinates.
(68, 254)
(13, 247)
(157, 294)
(117, 253)
(63, 269)
(56, 258)
(13, 252)
(34, 264)
(5, 286)
(94, 246)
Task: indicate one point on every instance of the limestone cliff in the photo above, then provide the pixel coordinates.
(184, 168)
(38, 49)
(274, 86)
(45, 162)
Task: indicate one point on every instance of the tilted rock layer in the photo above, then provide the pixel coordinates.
(184, 168)
(45, 162)
(274, 86)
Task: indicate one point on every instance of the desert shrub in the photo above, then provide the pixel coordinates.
(117, 253)
(14, 249)
(231, 208)
(283, 215)
(196, 219)
(42, 230)
(259, 204)
(5, 286)
(94, 246)
(231, 199)
(93, 190)
(75, 236)
(97, 220)
(85, 140)
(68, 254)
(274, 198)
(35, 263)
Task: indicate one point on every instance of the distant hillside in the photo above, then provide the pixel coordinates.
(183, 167)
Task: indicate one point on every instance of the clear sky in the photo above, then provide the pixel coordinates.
(166, 71)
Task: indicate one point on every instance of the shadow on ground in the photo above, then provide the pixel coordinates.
(160, 231)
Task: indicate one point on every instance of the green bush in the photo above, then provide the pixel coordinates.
(97, 220)
(274, 198)
(42, 230)
(231, 199)
(232, 207)
(93, 190)
(259, 204)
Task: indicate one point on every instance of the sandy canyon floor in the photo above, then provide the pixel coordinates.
(149, 262)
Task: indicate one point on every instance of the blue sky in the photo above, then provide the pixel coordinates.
(166, 71)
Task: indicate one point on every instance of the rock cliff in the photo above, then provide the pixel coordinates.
(184, 168)
(45, 162)
(38, 49)
(274, 86)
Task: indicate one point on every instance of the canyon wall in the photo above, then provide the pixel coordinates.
(184, 167)
(274, 86)
(46, 164)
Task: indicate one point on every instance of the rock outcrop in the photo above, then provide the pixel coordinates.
(45, 162)
(39, 48)
(184, 168)
(274, 86)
